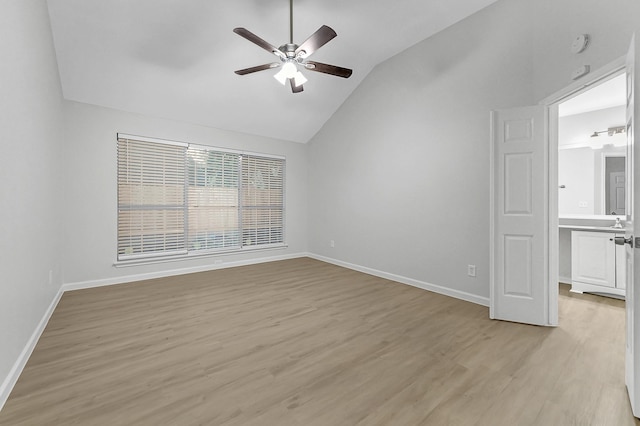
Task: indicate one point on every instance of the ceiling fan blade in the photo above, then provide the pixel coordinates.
(316, 41)
(257, 68)
(294, 88)
(243, 32)
(328, 69)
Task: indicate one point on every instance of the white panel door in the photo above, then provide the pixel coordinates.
(520, 208)
(632, 364)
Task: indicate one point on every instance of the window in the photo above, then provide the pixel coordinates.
(182, 199)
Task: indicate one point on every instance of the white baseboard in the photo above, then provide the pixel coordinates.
(565, 280)
(468, 297)
(172, 272)
(11, 379)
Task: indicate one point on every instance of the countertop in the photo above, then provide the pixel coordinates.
(592, 228)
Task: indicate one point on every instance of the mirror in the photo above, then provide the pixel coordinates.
(592, 149)
(591, 181)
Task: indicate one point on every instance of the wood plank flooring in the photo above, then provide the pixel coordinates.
(301, 342)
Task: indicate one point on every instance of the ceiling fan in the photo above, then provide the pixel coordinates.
(293, 56)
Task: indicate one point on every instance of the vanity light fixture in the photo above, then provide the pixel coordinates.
(616, 130)
(610, 131)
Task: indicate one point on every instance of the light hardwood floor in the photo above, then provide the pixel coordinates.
(301, 342)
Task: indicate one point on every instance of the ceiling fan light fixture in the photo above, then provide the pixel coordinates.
(299, 79)
(280, 77)
(287, 71)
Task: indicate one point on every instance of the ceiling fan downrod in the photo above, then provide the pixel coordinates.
(291, 21)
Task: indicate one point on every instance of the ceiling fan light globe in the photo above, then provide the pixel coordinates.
(299, 79)
(289, 69)
(280, 76)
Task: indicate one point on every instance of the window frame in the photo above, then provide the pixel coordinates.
(123, 259)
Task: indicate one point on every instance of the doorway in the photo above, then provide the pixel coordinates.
(591, 177)
(524, 240)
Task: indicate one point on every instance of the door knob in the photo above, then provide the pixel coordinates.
(622, 241)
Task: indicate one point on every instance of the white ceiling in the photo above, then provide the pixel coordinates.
(594, 110)
(175, 58)
(611, 93)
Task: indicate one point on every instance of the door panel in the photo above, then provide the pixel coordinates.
(519, 204)
(517, 266)
(632, 359)
(518, 180)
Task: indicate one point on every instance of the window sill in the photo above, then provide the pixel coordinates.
(181, 257)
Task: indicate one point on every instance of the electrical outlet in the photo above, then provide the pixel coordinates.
(332, 243)
(471, 270)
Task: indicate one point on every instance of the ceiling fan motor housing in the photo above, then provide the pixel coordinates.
(289, 50)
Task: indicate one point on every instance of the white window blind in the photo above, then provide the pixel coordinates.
(262, 201)
(151, 198)
(213, 199)
(175, 199)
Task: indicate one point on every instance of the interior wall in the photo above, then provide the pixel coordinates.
(400, 174)
(564, 255)
(91, 197)
(30, 186)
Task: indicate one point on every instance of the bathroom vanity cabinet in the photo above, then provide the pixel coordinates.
(598, 265)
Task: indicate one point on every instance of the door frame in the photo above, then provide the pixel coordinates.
(551, 104)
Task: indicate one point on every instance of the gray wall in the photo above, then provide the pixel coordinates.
(400, 174)
(564, 254)
(30, 186)
(90, 171)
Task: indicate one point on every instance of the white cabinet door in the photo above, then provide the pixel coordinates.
(593, 258)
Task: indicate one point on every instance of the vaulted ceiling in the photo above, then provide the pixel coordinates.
(175, 58)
